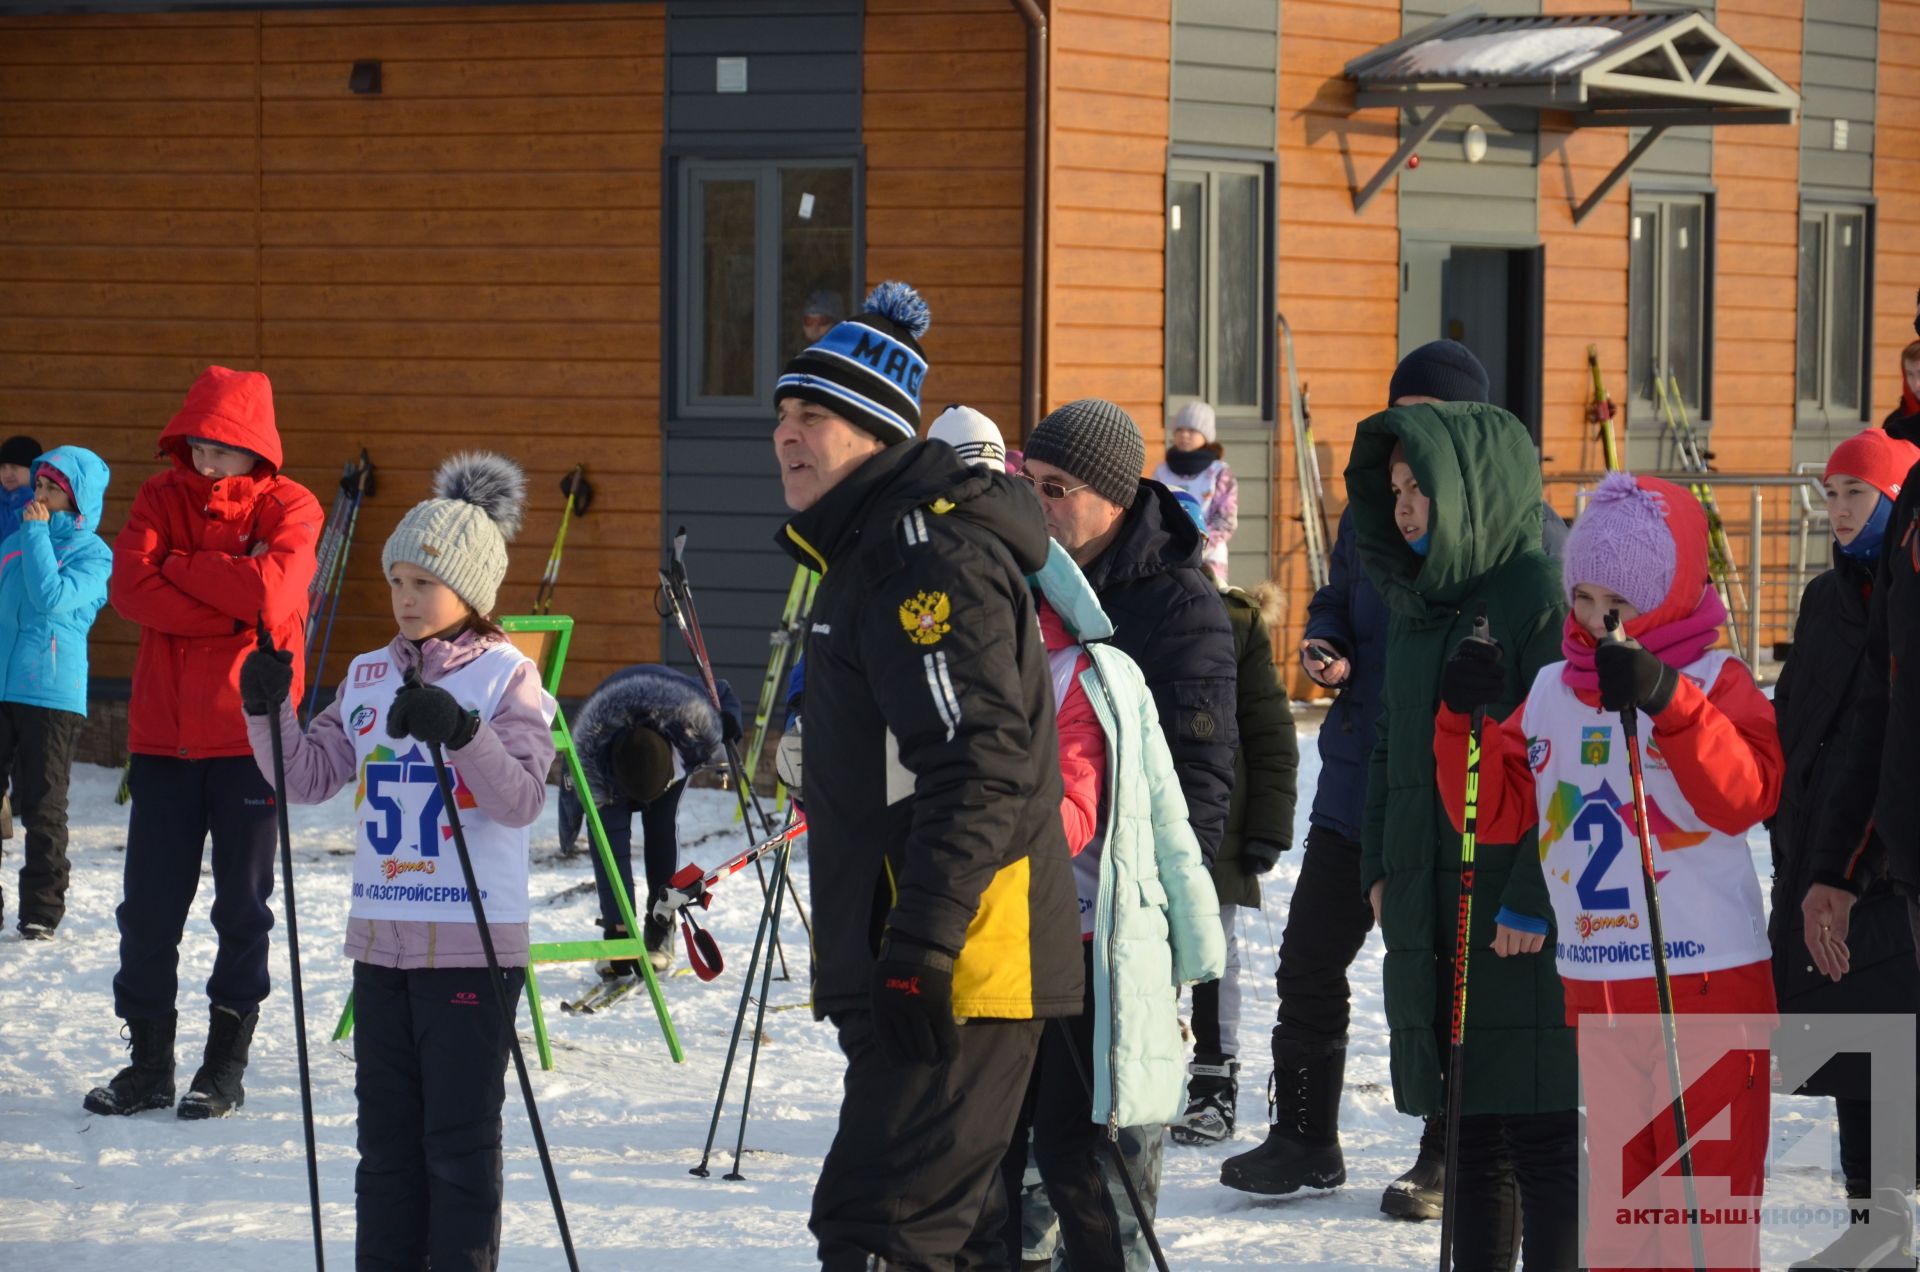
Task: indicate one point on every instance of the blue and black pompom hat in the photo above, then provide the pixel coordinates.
(869, 369)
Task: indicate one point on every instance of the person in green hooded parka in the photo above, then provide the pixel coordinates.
(1446, 504)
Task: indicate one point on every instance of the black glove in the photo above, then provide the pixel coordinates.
(1258, 856)
(430, 714)
(1475, 676)
(730, 731)
(266, 678)
(913, 1003)
(1632, 677)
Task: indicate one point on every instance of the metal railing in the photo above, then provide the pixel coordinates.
(1776, 538)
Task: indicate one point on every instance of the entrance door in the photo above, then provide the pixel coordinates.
(1490, 299)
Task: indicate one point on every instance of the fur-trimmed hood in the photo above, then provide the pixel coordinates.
(671, 703)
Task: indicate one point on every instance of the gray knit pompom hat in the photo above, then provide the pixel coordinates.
(460, 535)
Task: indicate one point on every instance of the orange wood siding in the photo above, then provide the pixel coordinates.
(1756, 172)
(944, 123)
(1586, 283)
(470, 258)
(1338, 272)
(1107, 166)
(1896, 184)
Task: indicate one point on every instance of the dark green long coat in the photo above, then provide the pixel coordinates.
(1478, 465)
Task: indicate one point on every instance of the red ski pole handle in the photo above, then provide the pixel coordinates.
(691, 887)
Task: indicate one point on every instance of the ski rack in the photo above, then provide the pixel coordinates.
(545, 638)
(1313, 496)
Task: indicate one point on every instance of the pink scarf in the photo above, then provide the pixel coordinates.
(1675, 644)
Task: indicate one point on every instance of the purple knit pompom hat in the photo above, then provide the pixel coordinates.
(1621, 542)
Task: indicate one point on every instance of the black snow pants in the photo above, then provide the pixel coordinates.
(1518, 1192)
(1327, 922)
(177, 804)
(429, 1074)
(36, 760)
(913, 1174)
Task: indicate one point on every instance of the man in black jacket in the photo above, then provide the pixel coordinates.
(941, 883)
(1141, 552)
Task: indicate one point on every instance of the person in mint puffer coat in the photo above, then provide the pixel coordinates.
(53, 581)
(1154, 926)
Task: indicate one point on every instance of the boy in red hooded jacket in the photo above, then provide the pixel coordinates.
(1712, 770)
(214, 543)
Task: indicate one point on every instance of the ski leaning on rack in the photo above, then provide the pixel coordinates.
(330, 574)
(1601, 413)
(786, 643)
(579, 493)
(1313, 496)
(1694, 459)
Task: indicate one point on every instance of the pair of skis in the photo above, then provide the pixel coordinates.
(330, 573)
(1313, 495)
(1695, 459)
(787, 642)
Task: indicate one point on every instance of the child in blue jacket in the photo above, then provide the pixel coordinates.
(53, 581)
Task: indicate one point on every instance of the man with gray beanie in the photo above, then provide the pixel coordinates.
(1345, 648)
(1141, 552)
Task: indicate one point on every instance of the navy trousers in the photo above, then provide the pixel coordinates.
(177, 805)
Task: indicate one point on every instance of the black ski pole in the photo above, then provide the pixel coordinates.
(507, 1013)
(1119, 1158)
(1663, 987)
(760, 1014)
(739, 1023)
(265, 639)
(1457, 1050)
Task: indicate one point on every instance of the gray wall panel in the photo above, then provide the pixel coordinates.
(1225, 73)
(1839, 73)
(1500, 194)
(1684, 154)
(719, 479)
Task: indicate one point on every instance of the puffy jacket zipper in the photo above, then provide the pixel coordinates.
(1111, 871)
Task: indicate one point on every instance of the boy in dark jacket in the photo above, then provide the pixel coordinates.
(216, 543)
(1446, 506)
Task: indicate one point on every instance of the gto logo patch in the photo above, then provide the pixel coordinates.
(924, 617)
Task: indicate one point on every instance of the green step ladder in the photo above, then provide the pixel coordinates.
(545, 639)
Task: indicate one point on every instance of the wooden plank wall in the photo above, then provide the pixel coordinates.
(1338, 271)
(1586, 283)
(1896, 184)
(1106, 231)
(944, 123)
(470, 258)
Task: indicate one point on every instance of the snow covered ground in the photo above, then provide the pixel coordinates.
(153, 1193)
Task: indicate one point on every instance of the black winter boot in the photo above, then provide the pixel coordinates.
(216, 1089)
(1302, 1148)
(1419, 1193)
(1213, 1088)
(146, 1083)
(1884, 1240)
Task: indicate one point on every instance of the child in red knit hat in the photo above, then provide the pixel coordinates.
(1712, 771)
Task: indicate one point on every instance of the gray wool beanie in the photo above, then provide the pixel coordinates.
(460, 535)
(1095, 441)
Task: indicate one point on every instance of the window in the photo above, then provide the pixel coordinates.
(1831, 349)
(1218, 300)
(766, 265)
(1668, 265)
